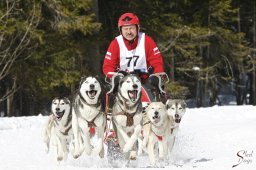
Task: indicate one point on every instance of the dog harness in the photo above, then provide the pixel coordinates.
(129, 120)
(160, 138)
(129, 116)
(91, 123)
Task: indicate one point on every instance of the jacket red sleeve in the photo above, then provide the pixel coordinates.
(111, 60)
(153, 55)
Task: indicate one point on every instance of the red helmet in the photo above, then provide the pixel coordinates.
(128, 19)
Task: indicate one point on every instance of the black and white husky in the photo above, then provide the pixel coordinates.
(58, 129)
(87, 114)
(127, 114)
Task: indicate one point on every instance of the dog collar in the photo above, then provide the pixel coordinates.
(160, 138)
(146, 123)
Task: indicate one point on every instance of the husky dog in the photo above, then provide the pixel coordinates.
(176, 109)
(127, 114)
(58, 127)
(87, 116)
(156, 131)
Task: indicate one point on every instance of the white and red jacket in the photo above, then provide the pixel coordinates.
(126, 56)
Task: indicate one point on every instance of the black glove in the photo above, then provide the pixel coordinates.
(116, 82)
(154, 81)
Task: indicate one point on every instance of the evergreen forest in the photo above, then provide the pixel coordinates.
(46, 46)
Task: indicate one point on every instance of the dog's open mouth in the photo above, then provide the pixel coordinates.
(156, 119)
(91, 94)
(177, 120)
(133, 94)
(59, 114)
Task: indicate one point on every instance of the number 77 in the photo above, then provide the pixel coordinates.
(130, 59)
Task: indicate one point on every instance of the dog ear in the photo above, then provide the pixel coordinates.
(83, 77)
(185, 104)
(118, 80)
(99, 79)
(56, 98)
(121, 81)
(167, 106)
(66, 100)
(82, 80)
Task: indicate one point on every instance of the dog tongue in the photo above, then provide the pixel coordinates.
(156, 119)
(59, 114)
(134, 95)
(92, 92)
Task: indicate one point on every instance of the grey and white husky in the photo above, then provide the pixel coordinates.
(176, 109)
(87, 114)
(58, 129)
(127, 114)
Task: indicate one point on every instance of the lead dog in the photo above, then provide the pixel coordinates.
(176, 109)
(87, 115)
(156, 130)
(58, 127)
(127, 114)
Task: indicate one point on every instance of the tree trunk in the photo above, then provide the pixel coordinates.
(95, 50)
(9, 101)
(10, 109)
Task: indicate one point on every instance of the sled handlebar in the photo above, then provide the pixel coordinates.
(162, 75)
(109, 76)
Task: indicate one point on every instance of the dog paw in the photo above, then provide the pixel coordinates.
(133, 155)
(101, 154)
(59, 158)
(76, 154)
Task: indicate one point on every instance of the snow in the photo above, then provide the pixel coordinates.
(209, 138)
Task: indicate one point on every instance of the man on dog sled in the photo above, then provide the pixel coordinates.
(134, 52)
